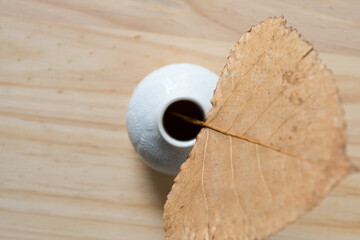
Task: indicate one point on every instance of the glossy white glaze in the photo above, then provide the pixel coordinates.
(182, 81)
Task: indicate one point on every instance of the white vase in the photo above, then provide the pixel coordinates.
(163, 140)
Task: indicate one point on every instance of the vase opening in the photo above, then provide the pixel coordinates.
(178, 129)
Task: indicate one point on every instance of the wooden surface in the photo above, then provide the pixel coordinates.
(67, 70)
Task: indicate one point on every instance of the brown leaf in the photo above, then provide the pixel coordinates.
(273, 90)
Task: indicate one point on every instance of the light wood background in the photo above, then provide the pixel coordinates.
(67, 70)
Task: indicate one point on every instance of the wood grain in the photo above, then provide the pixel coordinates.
(67, 70)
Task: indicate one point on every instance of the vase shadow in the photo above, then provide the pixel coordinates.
(161, 184)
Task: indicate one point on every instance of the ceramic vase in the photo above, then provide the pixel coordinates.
(163, 140)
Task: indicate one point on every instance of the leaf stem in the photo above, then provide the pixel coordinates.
(204, 124)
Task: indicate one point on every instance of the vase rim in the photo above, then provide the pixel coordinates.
(171, 140)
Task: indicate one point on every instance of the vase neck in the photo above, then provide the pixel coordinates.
(176, 131)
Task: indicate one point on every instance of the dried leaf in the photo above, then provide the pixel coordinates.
(273, 90)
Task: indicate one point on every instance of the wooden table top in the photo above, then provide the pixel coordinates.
(67, 70)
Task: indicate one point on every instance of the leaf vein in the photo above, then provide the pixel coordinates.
(261, 171)
(235, 190)
(202, 184)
